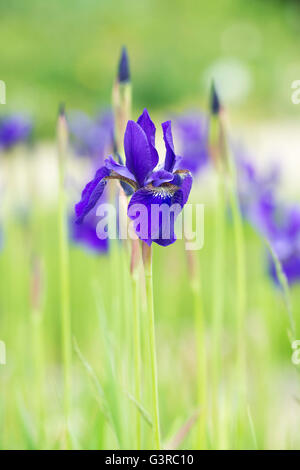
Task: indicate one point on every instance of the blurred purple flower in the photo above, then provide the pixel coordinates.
(91, 137)
(14, 129)
(285, 240)
(152, 184)
(256, 192)
(279, 223)
(85, 234)
(192, 132)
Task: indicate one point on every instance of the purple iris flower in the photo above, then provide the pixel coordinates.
(14, 129)
(192, 132)
(153, 184)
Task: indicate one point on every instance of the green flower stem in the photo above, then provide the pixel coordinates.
(137, 356)
(38, 350)
(64, 278)
(218, 303)
(196, 290)
(135, 258)
(121, 99)
(147, 259)
(201, 359)
(240, 276)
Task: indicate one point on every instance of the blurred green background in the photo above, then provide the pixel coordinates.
(67, 51)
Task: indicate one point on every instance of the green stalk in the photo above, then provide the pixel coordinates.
(201, 364)
(64, 277)
(134, 274)
(147, 259)
(240, 275)
(137, 356)
(121, 101)
(38, 350)
(196, 290)
(224, 159)
(218, 304)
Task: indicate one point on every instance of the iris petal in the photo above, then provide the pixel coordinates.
(160, 176)
(120, 169)
(184, 180)
(91, 193)
(150, 206)
(149, 128)
(170, 160)
(137, 150)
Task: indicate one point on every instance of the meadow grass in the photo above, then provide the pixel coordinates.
(105, 400)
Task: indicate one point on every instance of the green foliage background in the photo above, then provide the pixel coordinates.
(66, 50)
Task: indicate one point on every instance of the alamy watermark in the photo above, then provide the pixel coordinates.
(296, 353)
(2, 353)
(153, 222)
(2, 92)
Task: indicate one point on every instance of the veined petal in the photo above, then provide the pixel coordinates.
(120, 169)
(149, 128)
(129, 190)
(154, 210)
(184, 180)
(137, 150)
(170, 160)
(91, 193)
(160, 176)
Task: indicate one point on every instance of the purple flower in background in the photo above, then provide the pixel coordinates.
(85, 234)
(153, 184)
(285, 240)
(91, 137)
(256, 193)
(192, 132)
(14, 129)
(279, 223)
